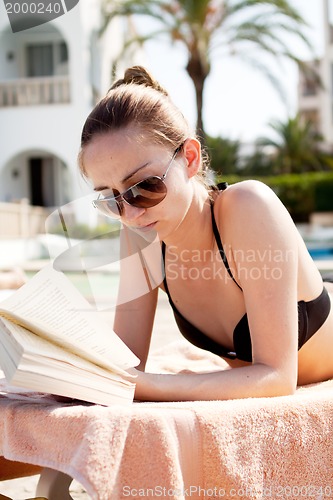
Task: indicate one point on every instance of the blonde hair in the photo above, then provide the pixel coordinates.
(139, 100)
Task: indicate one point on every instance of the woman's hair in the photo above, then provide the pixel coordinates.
(138, 100)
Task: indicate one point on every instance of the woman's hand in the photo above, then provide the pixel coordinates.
(144, 385)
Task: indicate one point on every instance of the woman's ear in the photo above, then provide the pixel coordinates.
(192, 153)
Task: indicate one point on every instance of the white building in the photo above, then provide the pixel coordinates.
(315, 102)
(50, 78)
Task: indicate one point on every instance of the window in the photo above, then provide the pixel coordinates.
(310, 87)
(311, 115)
(40, 60)
(310, 78)
(63, 52)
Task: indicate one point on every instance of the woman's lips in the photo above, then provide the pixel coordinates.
(146, 228)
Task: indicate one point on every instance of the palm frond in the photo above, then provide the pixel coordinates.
(155, 9)
(297, 144)
(206, 25)
(283, 7)
(196, 11)
(262, 68)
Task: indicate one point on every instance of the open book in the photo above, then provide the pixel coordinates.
(53, 341)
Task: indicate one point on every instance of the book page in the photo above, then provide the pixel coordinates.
(50, 305)
(48, 353)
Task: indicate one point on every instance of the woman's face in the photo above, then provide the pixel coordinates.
(120, 159)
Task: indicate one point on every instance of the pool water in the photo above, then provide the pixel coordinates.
(321, 253)
(99, 288)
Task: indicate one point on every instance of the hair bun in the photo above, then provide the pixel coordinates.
(139, 76)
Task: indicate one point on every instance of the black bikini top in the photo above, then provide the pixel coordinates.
(311, 315)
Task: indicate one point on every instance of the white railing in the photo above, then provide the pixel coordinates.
(21, 220)
(34, 91)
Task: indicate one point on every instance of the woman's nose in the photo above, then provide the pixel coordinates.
(131, 213)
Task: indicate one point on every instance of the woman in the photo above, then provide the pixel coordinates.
(238, 275)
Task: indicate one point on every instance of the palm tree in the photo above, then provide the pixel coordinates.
(296, 146)
(204, 27)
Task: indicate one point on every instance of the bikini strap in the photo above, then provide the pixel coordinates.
(221, 187)
(164, 272)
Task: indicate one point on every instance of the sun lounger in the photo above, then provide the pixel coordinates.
(252, 448)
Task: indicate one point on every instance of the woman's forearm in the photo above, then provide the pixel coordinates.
(251, 381)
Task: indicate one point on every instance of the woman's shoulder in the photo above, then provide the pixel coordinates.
(248, 186)
(247, 194)
(251, 209)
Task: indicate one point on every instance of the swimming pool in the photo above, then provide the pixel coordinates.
(321, 253)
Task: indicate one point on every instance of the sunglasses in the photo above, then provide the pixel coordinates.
(144, 194)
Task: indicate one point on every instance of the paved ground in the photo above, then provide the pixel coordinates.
(22, 489)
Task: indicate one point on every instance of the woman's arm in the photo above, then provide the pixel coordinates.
(264, 257)
(134, 324)
(257, 380)
(140, 276)
(267, 270)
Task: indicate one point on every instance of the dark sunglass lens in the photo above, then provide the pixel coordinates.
(147, 193)
(153, 185)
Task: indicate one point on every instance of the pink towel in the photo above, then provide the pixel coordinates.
(251, 448)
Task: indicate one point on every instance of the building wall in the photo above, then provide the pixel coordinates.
(53, 129)
(318, 106)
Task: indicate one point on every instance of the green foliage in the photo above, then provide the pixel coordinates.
(225, 158)
(297, 146)
(324, 194)
(301, 194)
(258, 164)
(297, 149)
(224, 155)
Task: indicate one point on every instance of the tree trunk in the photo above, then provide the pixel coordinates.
(198, 72)
(199, 101)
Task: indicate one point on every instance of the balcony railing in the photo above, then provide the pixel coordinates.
(35, 91)
(21, 220)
